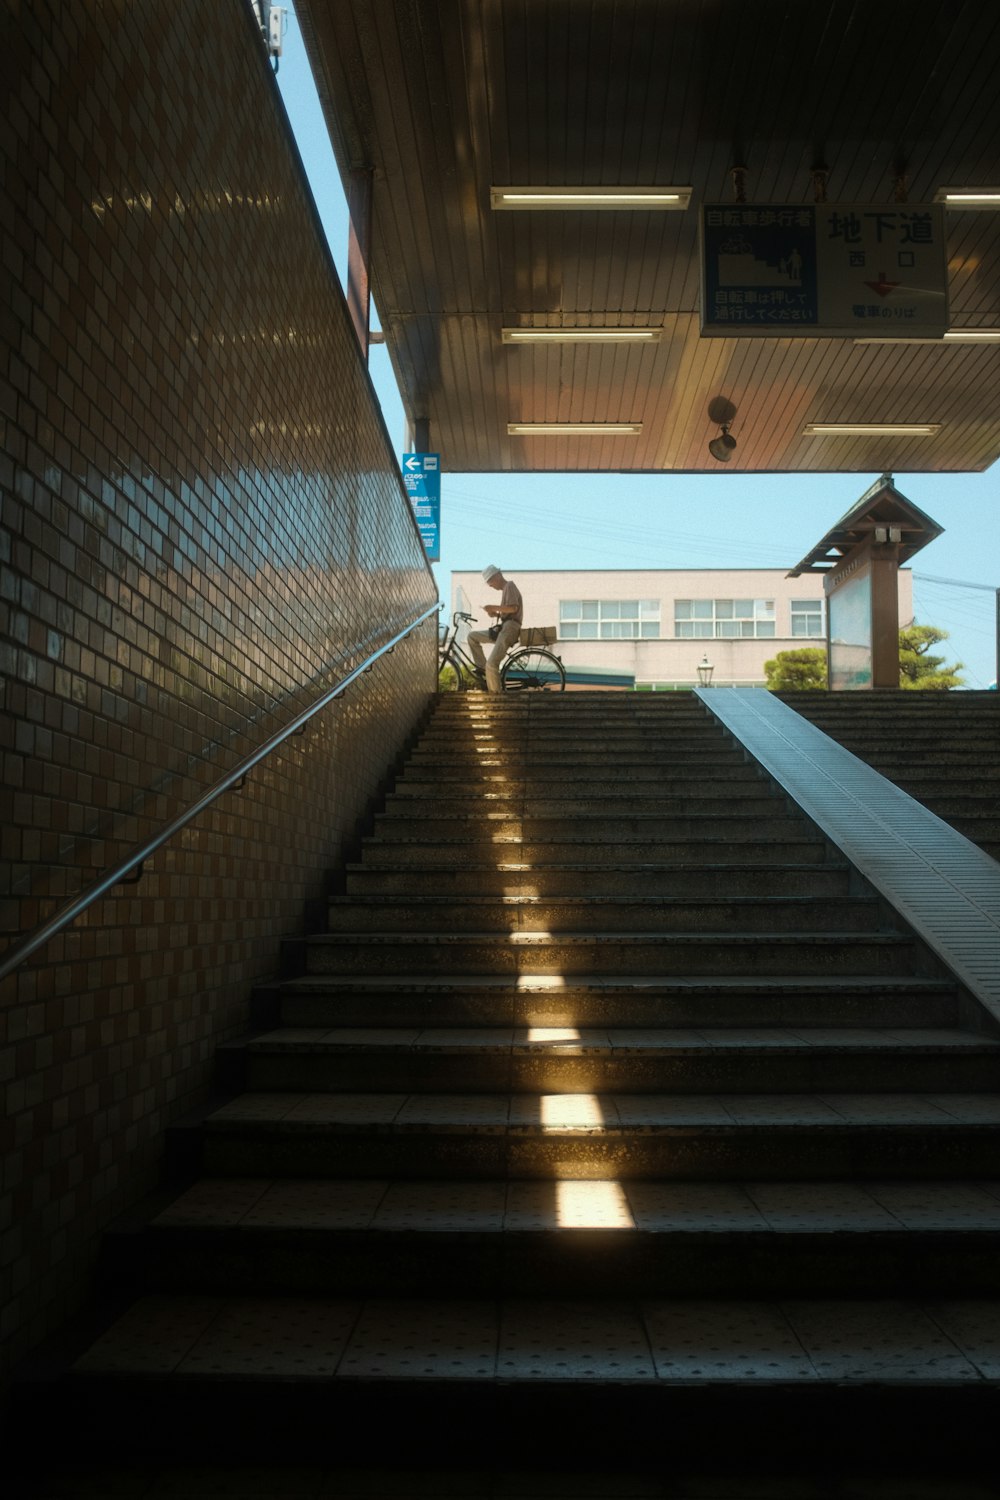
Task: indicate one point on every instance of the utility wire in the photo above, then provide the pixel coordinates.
(627, 537)
(956, 583)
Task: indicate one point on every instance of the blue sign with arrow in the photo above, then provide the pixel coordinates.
(422, 477)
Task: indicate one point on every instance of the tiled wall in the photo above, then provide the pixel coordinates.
(200, 517)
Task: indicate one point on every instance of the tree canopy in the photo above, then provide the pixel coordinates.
(917, 669)
(798, 670)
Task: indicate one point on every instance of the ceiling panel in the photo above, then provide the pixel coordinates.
(443, 98)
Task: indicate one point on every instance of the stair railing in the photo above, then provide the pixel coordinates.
(130, 868)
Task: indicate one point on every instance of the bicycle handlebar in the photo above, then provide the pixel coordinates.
(458, 615)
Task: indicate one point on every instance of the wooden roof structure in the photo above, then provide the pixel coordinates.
(880, 513)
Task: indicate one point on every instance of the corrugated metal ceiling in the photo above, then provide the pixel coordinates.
(443, 98)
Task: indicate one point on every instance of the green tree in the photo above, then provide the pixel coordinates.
(920, 671)
(794, 671)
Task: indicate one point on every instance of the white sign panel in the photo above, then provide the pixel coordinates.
(824, 270)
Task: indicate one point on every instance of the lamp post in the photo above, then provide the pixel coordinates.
(705, 670)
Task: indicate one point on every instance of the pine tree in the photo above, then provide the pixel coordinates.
(805, 668)
(917, 670)
(796, 671)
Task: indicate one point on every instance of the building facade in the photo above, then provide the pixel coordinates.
(651, 628)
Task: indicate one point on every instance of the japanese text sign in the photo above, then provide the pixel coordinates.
(422, 478)
(824, 270)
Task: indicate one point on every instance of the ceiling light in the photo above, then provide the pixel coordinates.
(580, 335)
(573, 429)
(988, 197)
(724, 446)
(953, 336)
(871, 429)
(590, 197)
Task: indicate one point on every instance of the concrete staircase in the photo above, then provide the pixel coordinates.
(609, 1112)
(941, 748)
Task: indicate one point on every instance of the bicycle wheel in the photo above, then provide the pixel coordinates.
(452, 676)
(533, 668)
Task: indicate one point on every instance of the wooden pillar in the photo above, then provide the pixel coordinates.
(359, 238)
(885, 616)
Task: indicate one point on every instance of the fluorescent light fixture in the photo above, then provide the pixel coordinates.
(580, 335)
(590, 197)
(871, 429)
(573, 429)
(987, 197)
(953, 336)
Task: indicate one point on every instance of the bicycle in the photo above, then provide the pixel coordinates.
(526, 667)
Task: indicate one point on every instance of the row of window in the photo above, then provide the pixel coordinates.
(694, 619)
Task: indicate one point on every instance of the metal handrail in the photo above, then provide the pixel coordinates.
(132, 865)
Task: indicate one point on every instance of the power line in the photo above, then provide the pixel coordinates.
(621, 536)
(957, 583)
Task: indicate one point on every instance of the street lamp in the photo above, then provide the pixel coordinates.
(705, 670)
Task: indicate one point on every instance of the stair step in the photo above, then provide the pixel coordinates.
(595, 1000)
(417, 798)
(568, 711)
(259, 1235)
(805, 845)
(891, 1385)
(606, 881)
(589, 1136)
(656, 1342)
(697, 763)
(923, 745)
(511, 913)
(571, 1060)
(650, 953)
(452, 823)
(521, 737)
(594, 780)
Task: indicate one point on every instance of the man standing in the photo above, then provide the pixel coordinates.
(508, 614)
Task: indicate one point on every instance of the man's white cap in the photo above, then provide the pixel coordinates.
(490, 572)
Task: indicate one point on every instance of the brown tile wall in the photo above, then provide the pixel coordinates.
(200, 521)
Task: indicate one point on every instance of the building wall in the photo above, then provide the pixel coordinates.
(201, 527)
(668, 660)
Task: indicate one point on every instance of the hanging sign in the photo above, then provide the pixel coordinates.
(824, 270)
(422, 478)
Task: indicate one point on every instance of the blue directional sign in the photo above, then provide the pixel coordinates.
(824, 269)
(422, 477)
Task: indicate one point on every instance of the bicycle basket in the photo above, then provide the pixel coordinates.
(537, 635)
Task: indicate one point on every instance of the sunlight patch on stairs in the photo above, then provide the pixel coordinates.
(562, 1112)
(553, 1036)
(593, 1205)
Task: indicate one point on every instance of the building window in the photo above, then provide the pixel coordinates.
(721, 619)
(807, 617)
(609, 619)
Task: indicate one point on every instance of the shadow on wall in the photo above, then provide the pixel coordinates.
(201, 517)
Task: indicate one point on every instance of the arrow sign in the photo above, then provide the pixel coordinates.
(882, 286)
(422, 480)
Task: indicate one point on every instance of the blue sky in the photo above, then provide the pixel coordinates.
(663, 520)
